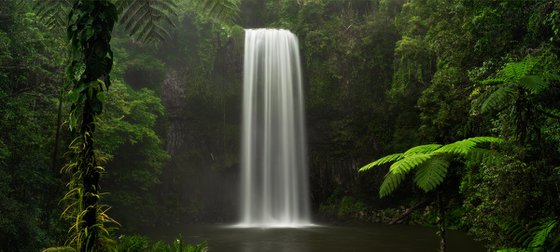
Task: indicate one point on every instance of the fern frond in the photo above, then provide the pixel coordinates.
(520, 232)
(494, 81)
(147, 20)
(496, 99)
(52, 12)
(542, 234)
(533, 83)
(479, 155)
(547, 76)
(221, 10)
(390, 183)
(381, 161)
(408, 163)
(427, 148)
(463, 147)
(512, 250)
(431, 174)
(514, 71)
(485, 139)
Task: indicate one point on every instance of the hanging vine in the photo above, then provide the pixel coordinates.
(91, 59)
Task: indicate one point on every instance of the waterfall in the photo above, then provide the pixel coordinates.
(274, 177)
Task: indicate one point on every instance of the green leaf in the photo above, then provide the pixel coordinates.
(497, 99)
(77, 70)
(513, 250)
(431, 174)
(381, 161)
(533, 83)
(101, 97)
(541, 236)
(428, 148)
(390, 183)
(485, 139)
(408, 163)
(462, 147)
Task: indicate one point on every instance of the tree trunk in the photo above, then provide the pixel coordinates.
(90, 178)
(441, 223)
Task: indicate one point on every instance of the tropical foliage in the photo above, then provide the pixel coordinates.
(381, 77)
(431, 162)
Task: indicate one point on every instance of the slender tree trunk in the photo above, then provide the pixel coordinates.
(441, 223)
(89, 32)
(90, 178)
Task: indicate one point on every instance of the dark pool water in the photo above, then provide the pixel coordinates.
(327, 238)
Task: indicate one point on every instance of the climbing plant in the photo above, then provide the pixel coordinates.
(91, 60)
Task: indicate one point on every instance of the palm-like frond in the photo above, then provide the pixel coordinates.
(147, 20)
(533, 83)
(479, 155)
(427, 148)
(390, 183)
(542, 234)
(222, 10)
(430, 160)
(53, 12)
(514, 71)
(382, 161)
(405, 165)
(532, 235)
(513, 77)
(463, 147)
(497, 99)
(431, 174)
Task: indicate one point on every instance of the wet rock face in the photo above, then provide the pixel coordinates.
(173, 97)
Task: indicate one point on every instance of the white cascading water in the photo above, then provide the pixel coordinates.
(274, 180)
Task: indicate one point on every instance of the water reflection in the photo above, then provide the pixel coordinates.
(378, 238)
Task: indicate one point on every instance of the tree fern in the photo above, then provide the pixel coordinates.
(533, 83)
(146, 20)
(464, 147)
(514, 71)
(543, 234)
(431, 160)
(497, 99)
(408, 163)
(53, 12)
(382, 161)
(427, 148)
(223, 10)
(532, 236)
(431, 174)
(390, 183)
(512, 80)
(479, 155)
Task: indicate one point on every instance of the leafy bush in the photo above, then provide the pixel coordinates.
(140, 243)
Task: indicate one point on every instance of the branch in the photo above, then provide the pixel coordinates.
(408, 211)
